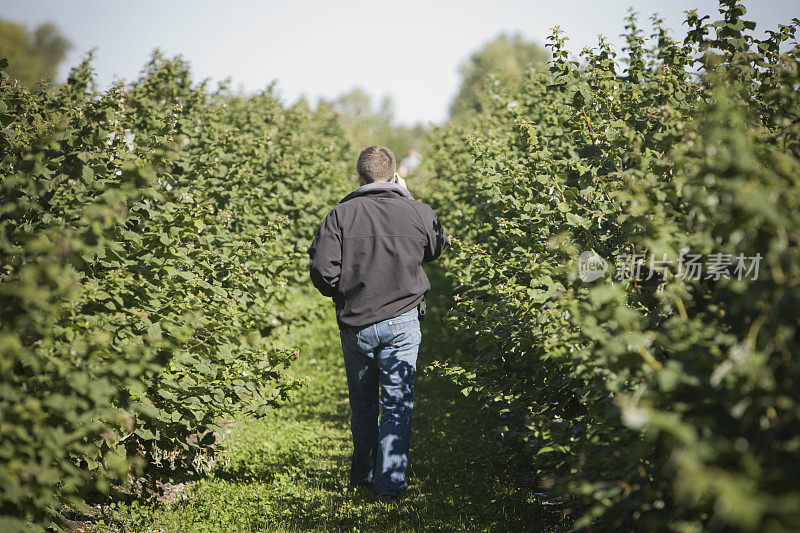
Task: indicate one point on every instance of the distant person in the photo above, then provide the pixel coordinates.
(367, 256)
(409, 162)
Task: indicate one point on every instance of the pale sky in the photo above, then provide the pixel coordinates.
(410, 49)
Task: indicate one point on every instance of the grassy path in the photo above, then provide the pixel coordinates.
(289, 472)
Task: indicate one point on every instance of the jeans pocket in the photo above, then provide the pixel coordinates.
(406, 330)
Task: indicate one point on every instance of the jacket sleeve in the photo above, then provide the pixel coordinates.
(436, 238)
(325, 256)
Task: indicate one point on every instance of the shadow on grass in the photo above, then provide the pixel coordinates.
(289, 471)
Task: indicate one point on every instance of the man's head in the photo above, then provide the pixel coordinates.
(375, 164)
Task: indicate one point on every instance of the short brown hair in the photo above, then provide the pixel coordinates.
(376, 163)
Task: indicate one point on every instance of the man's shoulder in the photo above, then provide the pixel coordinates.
(349, 204)
(421, 207)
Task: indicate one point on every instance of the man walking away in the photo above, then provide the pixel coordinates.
(368, 257)
(409, 163)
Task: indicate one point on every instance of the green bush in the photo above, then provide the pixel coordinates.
(151, 241)
(665, 403)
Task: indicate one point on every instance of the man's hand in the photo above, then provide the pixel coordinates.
(398, 179)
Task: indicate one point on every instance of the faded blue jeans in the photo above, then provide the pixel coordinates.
(381, 356)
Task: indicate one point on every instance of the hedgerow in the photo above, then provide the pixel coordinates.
(151, 241)
(663, 401)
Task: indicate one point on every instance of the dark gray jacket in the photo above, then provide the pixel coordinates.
(369, 251)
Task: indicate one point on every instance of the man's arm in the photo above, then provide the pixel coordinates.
(435, 234)
(325, 256)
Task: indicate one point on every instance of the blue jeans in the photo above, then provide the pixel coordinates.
(381, 355)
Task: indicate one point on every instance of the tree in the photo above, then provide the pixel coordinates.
(32, 55)
(506, 56)
(370, 124)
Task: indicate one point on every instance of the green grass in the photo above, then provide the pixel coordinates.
(289, 471)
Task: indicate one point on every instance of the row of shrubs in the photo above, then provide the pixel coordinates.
(649, 398)
(151, 241)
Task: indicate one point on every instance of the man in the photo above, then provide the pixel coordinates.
(368, 257)
(410, 162)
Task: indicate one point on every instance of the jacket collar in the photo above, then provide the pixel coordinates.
(371, 188)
